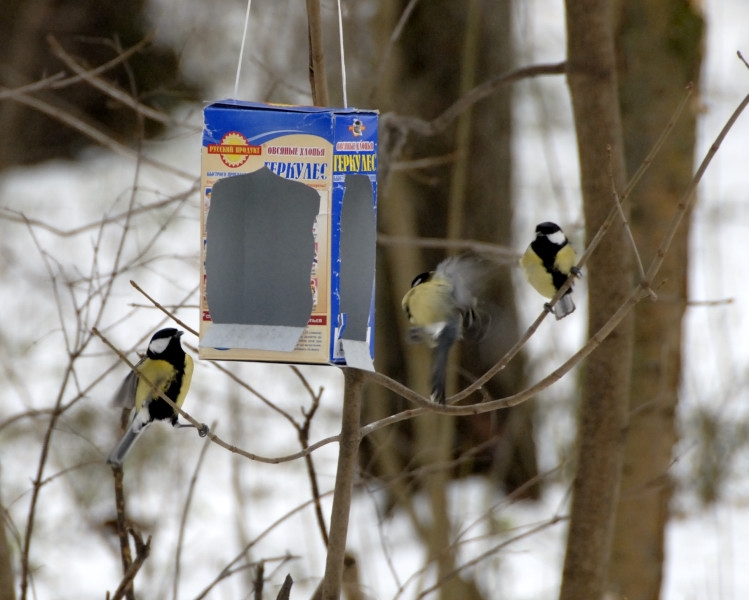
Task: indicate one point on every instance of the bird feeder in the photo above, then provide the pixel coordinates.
(288, 231)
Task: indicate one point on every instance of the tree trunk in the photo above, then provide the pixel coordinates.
(660, 49)
(464, 193)
(605, 393)
(467, 197)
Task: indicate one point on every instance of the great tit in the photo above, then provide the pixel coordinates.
(165, 368)
(547, 263)
(441, 305)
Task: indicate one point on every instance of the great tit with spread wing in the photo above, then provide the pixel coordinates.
(547, 263)
(164, 369)
(441, 305)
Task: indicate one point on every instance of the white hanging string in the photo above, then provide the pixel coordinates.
(343, 58)
(241, 49)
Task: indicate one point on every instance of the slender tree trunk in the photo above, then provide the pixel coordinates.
(445, 49)
(605, 393)
(660, 49)
(488, 208)
(7, 580)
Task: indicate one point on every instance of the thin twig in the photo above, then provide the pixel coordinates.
(623, 216)
(122, 526)
(285, 592)
(502, 255)
(478, 93)
(37, 483)
(742, 59)
(394, 36)
(491, 552)
(91, 131)
(59, 81)
(229, 569)
(303, 434)
(168, 313)
(185, 511)
(96, 81)
(15, 216)
(142, 550)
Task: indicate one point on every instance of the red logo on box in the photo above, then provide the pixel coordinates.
(234, 149)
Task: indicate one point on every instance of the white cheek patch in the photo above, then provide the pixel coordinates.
(158, 346)
(557, 238)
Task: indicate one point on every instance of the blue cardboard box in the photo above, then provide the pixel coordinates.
(288, 233)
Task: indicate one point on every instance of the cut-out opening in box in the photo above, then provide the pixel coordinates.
(259, 258)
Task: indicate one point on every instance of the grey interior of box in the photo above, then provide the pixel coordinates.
(259, 255)
(358, 241)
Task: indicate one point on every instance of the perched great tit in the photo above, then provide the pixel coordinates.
(441, 305)
(166, 368)
(548, 262)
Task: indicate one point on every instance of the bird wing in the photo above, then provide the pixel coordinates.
(125, 394)
(186, 378)
(467, 275)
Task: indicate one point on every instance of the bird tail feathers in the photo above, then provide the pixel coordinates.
(446, 339)
(564, 307)
(133, 432)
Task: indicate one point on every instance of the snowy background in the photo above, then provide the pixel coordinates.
(74, 554)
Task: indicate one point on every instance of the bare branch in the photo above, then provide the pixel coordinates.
(185, 511)
(142, 550)
(502, 255)
(111, 90)
(628, 229)
(169, 314)
(92, 132)
(742, 59)
(478, 93)
(285, 592)
(303, 434)
(122, 526)
(350, 439)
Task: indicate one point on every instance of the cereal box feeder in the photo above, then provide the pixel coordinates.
(288, 230)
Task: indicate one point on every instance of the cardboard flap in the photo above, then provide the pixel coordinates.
(262, 337)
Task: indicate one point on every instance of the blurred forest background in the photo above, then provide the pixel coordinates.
(491, 121)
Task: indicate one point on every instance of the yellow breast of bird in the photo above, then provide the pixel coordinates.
(565, 259)
(537, 274)
(430, 302)
(156, 373)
